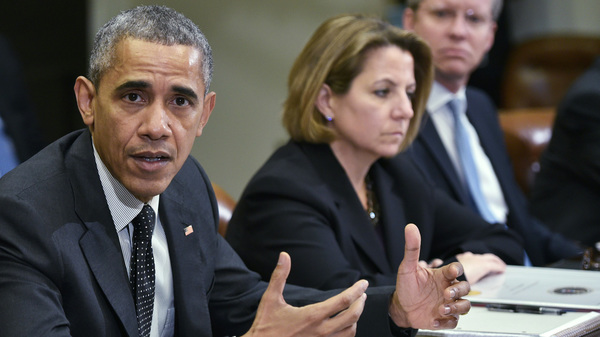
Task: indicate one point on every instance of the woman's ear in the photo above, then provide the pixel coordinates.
(85, 93)
(323, 102)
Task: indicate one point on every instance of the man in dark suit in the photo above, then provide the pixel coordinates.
(566, 191)
(112, 231)
(461, 146)
(20, 134)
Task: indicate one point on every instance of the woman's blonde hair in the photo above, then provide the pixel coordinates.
(335, 55)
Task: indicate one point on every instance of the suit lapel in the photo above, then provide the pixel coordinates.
(188, 256)
(100, 244)
(350, 209)
(99, 251)
(393, 219)
(432, 143)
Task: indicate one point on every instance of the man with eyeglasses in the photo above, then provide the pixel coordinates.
(460, 145)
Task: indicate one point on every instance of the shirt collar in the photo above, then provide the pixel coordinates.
(122, 204)
(440, 96)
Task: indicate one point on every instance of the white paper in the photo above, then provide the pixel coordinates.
(544, 287)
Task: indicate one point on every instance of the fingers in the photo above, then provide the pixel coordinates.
(457, 290)
(340, 313)
(459, 307)
(452, 271)
(435, 263)
(446, 323)
(412, 246)
(477, 266)
(279, 276)
(346, 320)
(450, 314)
(345, 299)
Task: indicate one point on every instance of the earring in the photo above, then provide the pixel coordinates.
(329, 118)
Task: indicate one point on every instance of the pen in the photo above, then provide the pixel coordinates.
(529, 309)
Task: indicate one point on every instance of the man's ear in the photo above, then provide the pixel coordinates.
(207, 108)
(408, 19)
(491, 36)
(85, 92)
(323, 102)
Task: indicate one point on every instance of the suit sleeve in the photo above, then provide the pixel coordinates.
(31, 299)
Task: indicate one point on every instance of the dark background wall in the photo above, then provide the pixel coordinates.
(49, 38)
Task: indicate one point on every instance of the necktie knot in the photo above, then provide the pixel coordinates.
(143, 224)
(454, 106)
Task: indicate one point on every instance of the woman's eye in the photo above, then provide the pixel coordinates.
(382, 92)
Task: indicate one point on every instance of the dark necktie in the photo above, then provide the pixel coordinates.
(142, 269)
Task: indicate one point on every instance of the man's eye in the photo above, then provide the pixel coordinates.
(133, 97)
(442, 13)
(180, 101)
(475, 19)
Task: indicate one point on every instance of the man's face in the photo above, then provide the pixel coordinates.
(146, 113)
(459, 33)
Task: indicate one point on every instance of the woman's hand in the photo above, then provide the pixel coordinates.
(477, 266)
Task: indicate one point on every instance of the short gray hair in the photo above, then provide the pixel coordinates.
(156, 24)
(496, 7)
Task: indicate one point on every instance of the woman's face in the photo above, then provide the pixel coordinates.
(372, 118)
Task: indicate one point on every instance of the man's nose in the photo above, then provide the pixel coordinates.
(156, 122)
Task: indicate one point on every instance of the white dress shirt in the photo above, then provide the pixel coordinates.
(444, 123)
(124, 207)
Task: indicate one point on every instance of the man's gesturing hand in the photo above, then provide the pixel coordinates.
(336, 316)
(427, 298)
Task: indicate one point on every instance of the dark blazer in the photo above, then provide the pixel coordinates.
(302, 202)
(63, 271)
(542, 245)
(566, 192)
(16, 108)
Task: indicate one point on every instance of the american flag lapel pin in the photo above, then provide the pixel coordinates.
(188, 230)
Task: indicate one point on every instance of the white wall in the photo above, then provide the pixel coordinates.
(254, 43)
(531, 18)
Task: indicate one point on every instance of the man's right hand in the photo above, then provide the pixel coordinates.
(337, 316)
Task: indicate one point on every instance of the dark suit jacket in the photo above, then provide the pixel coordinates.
(16, 109)
(63, 271)
(542, 245)
(566, 192)
(302, 202)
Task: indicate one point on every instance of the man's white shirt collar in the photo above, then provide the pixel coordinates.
(123, 206)
(440, 96)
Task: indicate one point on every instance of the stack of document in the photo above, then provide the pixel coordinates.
(544, 287)
(531, 301)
